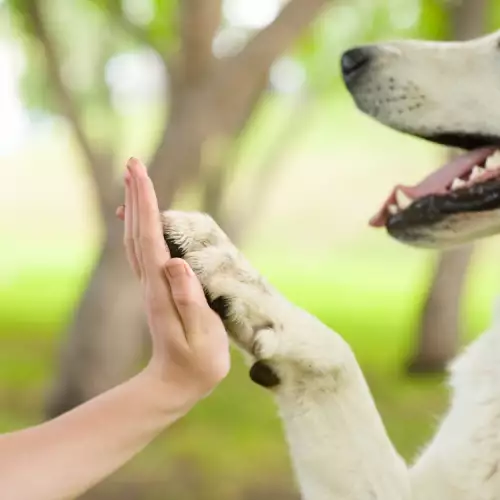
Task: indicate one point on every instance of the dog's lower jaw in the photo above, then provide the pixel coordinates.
(339, 447)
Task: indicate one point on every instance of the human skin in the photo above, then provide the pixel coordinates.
(64, 457)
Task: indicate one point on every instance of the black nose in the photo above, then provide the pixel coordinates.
(354, 62)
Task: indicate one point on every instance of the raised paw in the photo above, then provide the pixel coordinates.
(259, 320)
(234, 290)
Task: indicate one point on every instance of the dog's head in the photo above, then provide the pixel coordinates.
(448, 93)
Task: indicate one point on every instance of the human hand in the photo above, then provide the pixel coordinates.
(190, 345)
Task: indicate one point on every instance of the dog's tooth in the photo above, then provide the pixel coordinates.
(393, 209)
(493, 161)
(457, 184)
(476, 172)
(403, 200)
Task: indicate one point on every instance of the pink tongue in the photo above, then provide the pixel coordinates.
(435, 183)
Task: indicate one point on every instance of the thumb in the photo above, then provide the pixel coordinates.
(187, 294)
(120, 212)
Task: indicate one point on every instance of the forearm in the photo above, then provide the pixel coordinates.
(63, 458)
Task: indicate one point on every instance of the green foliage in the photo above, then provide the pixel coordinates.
(493, 21)
(156, 27)
(85, 35)
(434, 20)
(347, 24)
(89, 33)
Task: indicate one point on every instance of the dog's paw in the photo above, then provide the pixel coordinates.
(280, 338)
(241, 297)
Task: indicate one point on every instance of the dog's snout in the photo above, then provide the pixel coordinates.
(354, 62)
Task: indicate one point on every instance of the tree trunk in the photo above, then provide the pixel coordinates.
(103, 344)
(439, 335)
(105, 340)
(469, 18)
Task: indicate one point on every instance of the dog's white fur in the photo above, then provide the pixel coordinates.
(426, 88)
(463, 460)
(339, 446)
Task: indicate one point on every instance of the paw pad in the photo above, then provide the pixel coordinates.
(262, 374)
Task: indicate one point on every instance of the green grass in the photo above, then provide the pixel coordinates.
(235, 435)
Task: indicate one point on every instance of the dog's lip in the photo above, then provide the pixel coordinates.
(414, 225)
(466, 142)
(436, 183)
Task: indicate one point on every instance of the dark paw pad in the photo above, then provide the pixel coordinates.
(176, 252)
(220, 305)
(262, 374)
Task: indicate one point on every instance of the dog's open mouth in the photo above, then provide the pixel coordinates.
(468, 183)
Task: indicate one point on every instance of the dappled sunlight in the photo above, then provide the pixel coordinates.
(255, 15)
(14, 120)
(124, 74)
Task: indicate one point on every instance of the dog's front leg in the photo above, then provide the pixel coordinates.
(337, 440)
(463, 460)
(339, 447)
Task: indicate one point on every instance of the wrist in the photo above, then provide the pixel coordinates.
(169, 395)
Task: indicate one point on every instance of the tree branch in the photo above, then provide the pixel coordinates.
(239, 76)
(115, 12)
(468, 19)
(242, 215)
(178, 155)
(200, 20)
(222, 103)
(214, 184)
(138, 33)
(269, 43)
(101, 172)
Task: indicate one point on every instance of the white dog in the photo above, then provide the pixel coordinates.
(446, 92)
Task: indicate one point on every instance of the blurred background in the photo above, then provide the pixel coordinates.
(238, 108)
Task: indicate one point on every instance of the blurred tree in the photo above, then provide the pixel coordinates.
(439, 336)
(208, 101)
(212, 79)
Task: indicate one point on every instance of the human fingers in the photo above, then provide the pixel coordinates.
(120, 212)
(128, 236)
(135, 223)
(189, 298)
(148, 232)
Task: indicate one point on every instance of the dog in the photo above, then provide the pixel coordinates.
(444, 92)
(447, 93)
